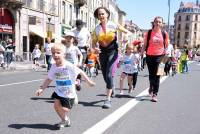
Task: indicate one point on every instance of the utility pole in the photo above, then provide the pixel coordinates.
(169, 6)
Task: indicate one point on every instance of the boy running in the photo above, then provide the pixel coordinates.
(64, 73)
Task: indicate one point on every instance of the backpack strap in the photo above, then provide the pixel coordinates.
(148, 38)
(164, 37)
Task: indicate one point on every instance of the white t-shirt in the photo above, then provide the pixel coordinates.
(82, 36)
(71, 54)
(65, 77)
(136, 59)
(36, 53)
(47, 48)
(169, 51)
(127, 63)
(130, 63)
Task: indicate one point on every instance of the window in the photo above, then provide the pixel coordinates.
(63, 12)
(186, 35)
(179, 26)
(179, 18)
(178, 36)
(187, 18)
(196, 17)
(195, 35)
(41, 5)
(187, 26)
(195, 26)
(71, 13)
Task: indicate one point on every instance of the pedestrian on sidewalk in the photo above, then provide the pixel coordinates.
(155, 43)
(105, 35)
(48, 54)
(64, 73)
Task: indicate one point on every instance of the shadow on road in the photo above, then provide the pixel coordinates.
(49, 100)
(35, 126)
(143, 98)
(91, 104)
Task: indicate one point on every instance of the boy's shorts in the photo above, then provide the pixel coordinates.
(65, 102)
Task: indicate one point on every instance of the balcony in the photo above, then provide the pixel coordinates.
(79, 3)
(11, 3)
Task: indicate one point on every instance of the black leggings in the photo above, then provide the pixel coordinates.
(107, 60)
(154, 79)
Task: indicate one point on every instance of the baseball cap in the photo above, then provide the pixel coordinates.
(69, 33)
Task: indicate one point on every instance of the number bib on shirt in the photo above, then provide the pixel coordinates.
(127, 65)
(90, 61)
(64, 84)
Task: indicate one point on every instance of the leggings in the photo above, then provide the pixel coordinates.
(107, 60)
(154, 79)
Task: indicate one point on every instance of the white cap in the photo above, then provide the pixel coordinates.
(68, 33)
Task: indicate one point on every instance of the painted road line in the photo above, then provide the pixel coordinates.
(10, 84)
(105, 123)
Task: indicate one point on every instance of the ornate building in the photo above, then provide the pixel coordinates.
(187, 24)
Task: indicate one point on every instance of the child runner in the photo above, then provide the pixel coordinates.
(64, 73)
(36, 55)
(73, 54)
(127, 68)
(91, 62)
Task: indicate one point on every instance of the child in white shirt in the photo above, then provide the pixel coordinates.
(36, 55)
(127, 62)
(64, 73)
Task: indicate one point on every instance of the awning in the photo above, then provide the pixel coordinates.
(38, 30)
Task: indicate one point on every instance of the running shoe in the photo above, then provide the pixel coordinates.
(65, 123)
(78, 85)
(121, 92)
(113, 92)
(107, 104)
(154, 98)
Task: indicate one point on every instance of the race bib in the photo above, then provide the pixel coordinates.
(90, 62)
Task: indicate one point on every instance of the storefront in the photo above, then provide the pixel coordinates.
(6, 24)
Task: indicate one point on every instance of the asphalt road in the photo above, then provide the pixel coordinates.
(176, 112)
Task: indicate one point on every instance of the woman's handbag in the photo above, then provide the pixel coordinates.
(161, 65)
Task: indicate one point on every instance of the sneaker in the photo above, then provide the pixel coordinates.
(78, 85)
(113, 93)
(154, 98)
(107, 104)
(65, 123)
(130, 90)
(121, 92)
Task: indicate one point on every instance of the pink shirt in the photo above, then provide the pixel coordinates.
(156, 46)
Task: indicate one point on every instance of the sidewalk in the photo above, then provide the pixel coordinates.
(20, 66)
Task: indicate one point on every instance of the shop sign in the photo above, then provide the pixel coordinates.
(5, 28)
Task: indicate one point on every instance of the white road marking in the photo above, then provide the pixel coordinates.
(105, 123)
(10, 84)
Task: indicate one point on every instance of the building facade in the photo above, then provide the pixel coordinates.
(187, 25)
(30, 22)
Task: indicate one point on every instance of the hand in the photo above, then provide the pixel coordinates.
(91, 83)
(39, 92)
(97, 50)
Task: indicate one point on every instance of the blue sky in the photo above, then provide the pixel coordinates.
(142, 12)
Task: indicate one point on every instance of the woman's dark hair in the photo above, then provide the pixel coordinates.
(157, 17)
(97, 10)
